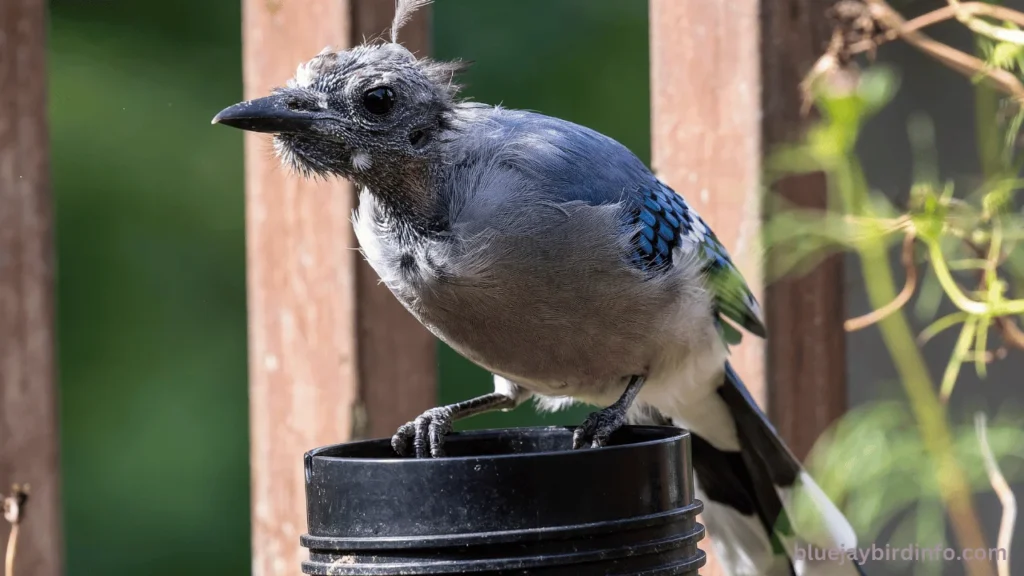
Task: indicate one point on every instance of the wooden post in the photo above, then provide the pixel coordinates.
(706, 130)
(333, 356)
(28, 400)
(807, 367)
(721, 98)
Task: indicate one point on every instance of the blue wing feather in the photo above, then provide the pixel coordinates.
(666, 221)
(574, 163)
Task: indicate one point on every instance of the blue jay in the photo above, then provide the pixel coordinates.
(551, 255)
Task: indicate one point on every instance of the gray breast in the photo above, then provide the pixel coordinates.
(544, 300)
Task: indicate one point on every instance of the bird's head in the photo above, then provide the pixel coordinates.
(359, 113)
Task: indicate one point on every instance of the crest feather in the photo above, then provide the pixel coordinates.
(403, 13)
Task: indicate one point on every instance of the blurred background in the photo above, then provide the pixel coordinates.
(151, 292)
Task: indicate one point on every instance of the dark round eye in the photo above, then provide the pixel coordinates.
(379, 100)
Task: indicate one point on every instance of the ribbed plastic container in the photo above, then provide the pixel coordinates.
(515, 501)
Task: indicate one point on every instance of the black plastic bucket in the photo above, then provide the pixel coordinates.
(516, 501)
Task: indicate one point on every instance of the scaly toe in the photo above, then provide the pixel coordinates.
(424, 436)
(596, 429)
(438, 430)
(401, 442)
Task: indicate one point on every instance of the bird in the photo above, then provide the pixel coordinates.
(552, 256)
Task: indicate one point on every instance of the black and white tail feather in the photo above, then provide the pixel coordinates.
(760, 505)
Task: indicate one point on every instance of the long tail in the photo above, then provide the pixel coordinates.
(749, 483)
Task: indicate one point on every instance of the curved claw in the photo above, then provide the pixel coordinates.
(600, 425)
(425, 435)
(597, 428)
(402, 438)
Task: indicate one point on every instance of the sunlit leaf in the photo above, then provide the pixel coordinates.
(940, 325)
(1005, 55)
(963, 346)
(877, 87)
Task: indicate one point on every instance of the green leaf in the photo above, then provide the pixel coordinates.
(845, 109)
(1005, 55)
(877, 87)
(963, 346)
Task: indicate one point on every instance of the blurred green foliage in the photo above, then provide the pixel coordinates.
(889, 463)
(150, 243)
(151, 287)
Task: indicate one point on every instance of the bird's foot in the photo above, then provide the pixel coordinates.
(424, 436)
(598, 427)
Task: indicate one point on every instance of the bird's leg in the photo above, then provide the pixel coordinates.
(426, 433)
(596, 429)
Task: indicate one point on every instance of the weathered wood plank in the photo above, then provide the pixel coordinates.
(806, 354)
(28, 399)
(706, 129)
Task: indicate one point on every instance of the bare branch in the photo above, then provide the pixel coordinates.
(1011, 334)
(963, 9)
(854, 324)
(890, 25)
(960, 61)
(982, 27)
(1005, 494)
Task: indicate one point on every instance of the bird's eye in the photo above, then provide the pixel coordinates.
(379, 101)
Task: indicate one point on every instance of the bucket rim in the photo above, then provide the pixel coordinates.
(669, 435)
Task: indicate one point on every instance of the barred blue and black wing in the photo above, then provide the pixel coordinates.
(666, 221)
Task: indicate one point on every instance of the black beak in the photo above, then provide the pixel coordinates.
(268, 114)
